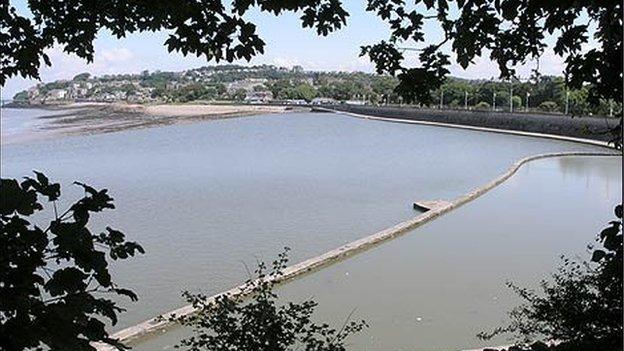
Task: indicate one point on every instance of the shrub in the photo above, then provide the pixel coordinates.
(21, 96)
(581, 308)
(549, 106)
(482, 106)
(230, 323)
(53, 280)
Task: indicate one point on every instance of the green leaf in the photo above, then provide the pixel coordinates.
(598, 255)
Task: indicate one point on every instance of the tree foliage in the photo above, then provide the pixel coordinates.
(204, 28)
(482, 105)
(261, 323)
(512, 32)
(81, 77)
(21, 96)
(52, 280)
(196, 91)
(581, 308)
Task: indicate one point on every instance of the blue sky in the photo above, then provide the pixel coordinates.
(287, 44)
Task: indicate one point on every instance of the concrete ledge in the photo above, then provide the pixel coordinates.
(425, 206)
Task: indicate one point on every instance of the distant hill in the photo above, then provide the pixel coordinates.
(268, 83)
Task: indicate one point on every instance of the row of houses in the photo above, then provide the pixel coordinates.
(89, 91)
(134, 90)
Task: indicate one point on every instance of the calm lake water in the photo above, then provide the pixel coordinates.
(436, 287)
(204, 198)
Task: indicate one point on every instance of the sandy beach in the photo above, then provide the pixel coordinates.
(93, 118)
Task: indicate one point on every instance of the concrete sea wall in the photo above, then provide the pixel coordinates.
(594, 128)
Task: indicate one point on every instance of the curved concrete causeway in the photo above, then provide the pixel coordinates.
(440, 207)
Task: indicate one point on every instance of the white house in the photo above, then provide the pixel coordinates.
(258, 96)
(323, 101)
(57, 94)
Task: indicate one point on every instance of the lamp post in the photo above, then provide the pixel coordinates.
(511, 97)
(610, 108)
(567, 101)
(494, 102)
(441, 98)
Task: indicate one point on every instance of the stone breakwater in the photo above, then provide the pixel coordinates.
(594, 128)
(442, 207)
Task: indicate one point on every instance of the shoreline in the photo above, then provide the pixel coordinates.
(97, 118)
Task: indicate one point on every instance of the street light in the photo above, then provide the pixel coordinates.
(610, 108)
(441, 98)
(567, 101)
(511, 97)
(494, 102)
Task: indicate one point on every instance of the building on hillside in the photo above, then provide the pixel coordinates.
(256, 97)
(245, 84)
(356, 102)
(108, 97)
(79, 90)
(57, 94)
(296, 102)
(33, 92)
(323, 101)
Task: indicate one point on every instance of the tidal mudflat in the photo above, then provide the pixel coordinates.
(203, 198)
(50, 121)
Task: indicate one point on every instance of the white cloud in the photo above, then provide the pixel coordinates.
(106, 61)
(361, 64)
(350, 64)
(286, 62)
(483, 68)
(116, 55)
(66, 66)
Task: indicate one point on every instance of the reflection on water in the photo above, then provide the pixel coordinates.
(590, 170)
(202, 198)
(435, 288)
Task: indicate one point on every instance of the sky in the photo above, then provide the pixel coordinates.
(287, 44)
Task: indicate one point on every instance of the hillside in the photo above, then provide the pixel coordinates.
(271, 84)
